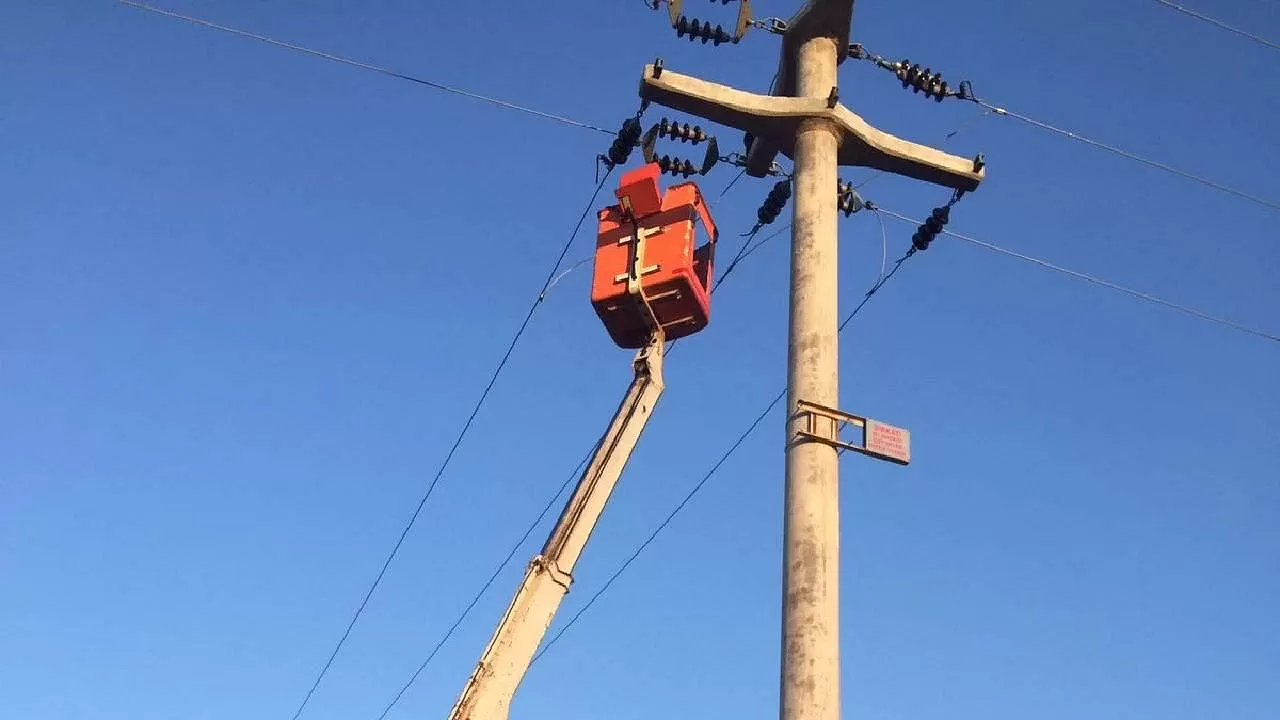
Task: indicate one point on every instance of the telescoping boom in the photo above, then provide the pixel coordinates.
(492, 685)
(650, 285)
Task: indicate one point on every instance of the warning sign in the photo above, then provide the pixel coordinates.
(888, 442)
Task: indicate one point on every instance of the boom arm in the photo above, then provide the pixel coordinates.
(488, 692)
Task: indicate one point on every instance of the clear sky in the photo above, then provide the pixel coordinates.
(247, 297)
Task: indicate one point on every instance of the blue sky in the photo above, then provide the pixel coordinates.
(247, 297)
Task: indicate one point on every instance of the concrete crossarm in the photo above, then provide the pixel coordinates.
(777, 119)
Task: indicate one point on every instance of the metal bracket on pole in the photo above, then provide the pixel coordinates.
(880, 441)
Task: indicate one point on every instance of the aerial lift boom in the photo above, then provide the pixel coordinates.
(488, 692)
(650, 285)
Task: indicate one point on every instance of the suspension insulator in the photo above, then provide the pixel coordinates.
(927, 232)
(922, 81)
(675, 166)
(698, 30)
(628, 138)
(773, 204)
(684, 133)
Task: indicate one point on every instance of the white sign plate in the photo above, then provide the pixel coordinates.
(889, 442)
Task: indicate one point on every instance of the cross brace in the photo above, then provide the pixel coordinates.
(777, 119)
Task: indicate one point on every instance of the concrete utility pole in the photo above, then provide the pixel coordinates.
(811, 524)
(803, 119)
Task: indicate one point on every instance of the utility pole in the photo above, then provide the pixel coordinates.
(803, 119)
(811, 522)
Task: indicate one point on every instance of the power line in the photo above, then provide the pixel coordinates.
(1212, 21)
(662, 525)
(588, 126)
(1126, 154)
(748, 251)
(706, 477)
(493, 378)
(366, 66)
(515, 548)
(909, 74)
(742, 253)
(1096, 280)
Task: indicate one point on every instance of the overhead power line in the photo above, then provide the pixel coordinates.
(935, 87)
(551, 501)
(475, 410)
(493, 576)
(366, 66)
(553, 278)
(1096, 280)
(742, 437)
(844, 323)
(1128, 155)
(1213, 21)
(596, 128)
(733, 447)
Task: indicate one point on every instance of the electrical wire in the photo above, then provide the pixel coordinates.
(732, 182)
(662, 525)
(515, 548)
(1126, 154)
(747, 249)
(1212, 21)
(875, 288)
(884, 244)
(493, 378)
(579, 263)
(761, 242)
(743, 252)
(1096, 280)
(706, 477)
(965, 92)
(366, 66)
(588, 126)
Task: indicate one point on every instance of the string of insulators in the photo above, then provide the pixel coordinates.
(774, 203)
(921, 81)
(699, 30)
(675, 166)
(684, 133)
(628, 138)
(927, 232)
(703, 30)
(848, 199)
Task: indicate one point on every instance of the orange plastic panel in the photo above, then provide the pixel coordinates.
(638, 192)
(675, 277)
